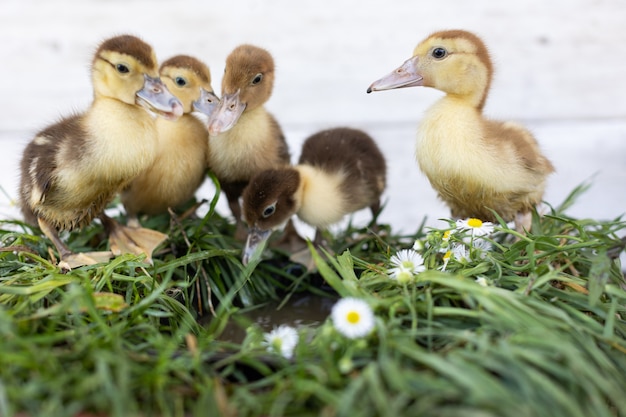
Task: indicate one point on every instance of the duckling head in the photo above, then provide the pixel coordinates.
(125, 68)
(247, 84)
(454, 61)
(269, 201)
(189, 79)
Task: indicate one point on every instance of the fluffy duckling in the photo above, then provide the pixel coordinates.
(244, 138)
(181, 150)
(72, 169)
(340, 171)
(475, 164)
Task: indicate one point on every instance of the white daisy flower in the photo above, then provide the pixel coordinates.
(483, 246)
(446, 259)
(408, 259)
(445, 242)
(460, 252)
(482, 281)
(476, 226)
(401, 274)
(352, 317)
(282, 340)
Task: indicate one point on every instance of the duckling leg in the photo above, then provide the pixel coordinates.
(523, 221)
(137, 240)
(70, 259)
(304, 256)
(375, 208)
(290, 240)
(233, 191)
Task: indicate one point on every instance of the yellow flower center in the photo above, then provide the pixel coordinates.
(474, 223)
(446, 235)
(353, 317)
(447, 255)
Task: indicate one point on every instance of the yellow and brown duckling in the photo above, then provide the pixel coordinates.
(244, 138)
(72, 169)
(182, 145)
(340, 171)
(475, 164)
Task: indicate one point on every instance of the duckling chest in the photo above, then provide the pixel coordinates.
(252, 145)
(118, 144)
(450, 145)
(122, 142)
(322, 202)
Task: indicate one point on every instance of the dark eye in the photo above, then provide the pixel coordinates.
(122, 69)
(180, 81)
(257, 79)
(439, 53)
(269, 210)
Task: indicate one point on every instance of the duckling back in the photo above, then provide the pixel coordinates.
(353, 156)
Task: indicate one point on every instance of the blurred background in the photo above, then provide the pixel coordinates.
(560, 69)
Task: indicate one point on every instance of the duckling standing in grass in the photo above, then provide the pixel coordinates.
(71, 170)
(181, 150)
(244, 138)
(475, 164)
(340, 171)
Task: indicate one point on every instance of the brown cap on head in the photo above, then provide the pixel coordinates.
(195, 65)
(268, 200)
(251, 70)
(129, 45)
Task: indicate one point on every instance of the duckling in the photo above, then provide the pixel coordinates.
(244, 138)
(72, 169)
(474, 163)
(181, 150)
(340, 171)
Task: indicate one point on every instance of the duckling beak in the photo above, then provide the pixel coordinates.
(226, 114)
(207, 103)
(407, 75)
(256, 239)
(157, 99)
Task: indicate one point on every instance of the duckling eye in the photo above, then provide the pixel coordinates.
(180, 81)
(269, 210)
(257, 79)
(439, 53)
(122, 69)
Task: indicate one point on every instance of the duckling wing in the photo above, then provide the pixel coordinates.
(40, 163)
(282, 148)
(513, 136)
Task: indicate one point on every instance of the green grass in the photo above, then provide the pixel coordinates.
(545, 337)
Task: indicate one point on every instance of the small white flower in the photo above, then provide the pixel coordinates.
(352, 317)
(282, 339)
(446, 259)
(476, 226)
(401, 274)
(460, 252)
(418, 245)
(408, 259)
(445, 242)
(483, 246)
(482, 281)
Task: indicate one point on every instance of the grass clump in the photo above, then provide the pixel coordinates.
(495, 325)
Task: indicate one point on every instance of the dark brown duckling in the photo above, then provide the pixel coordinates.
(72, 169)
(340, 171)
